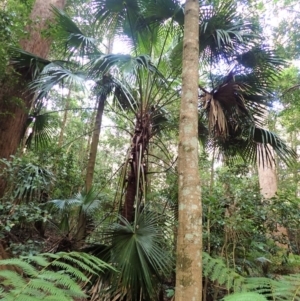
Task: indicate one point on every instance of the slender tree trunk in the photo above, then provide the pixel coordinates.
(64, 121)
(94, 144)
(189, 239)
(15, 102)
(83, 219)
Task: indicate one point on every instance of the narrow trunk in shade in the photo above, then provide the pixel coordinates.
(83, 220)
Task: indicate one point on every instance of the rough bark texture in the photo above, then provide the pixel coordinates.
(268, 187)
(40, 16)
(189, 239)
(137, 175)
(15, 103)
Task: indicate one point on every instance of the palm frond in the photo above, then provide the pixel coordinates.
(260, 59)
(55, 74)
(42, 131)
(222, 33)
(89, 200)
(71, 35)
(254, 145)
(65, 205)
(109, 85)
(139, 252)
(158, 12)
(101, 64)
(266, 138)
(27, 63)
(120, 15)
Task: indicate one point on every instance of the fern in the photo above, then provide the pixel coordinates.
(216, 270)
(286, 288)
(254, 288)
(51, 277)
(249, 296)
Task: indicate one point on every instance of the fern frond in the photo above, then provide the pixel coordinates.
(10, 278)
(93, 261)
(22, 264)
(51, 277)
(70, 270)
(215, 269)
(249, 296)
(38, 259)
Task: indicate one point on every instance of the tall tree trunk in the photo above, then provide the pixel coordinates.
(15, 102)
(189, 239)
(268, 187)
(94, 144)
(137, 174)
(64, 121)
(83, 219)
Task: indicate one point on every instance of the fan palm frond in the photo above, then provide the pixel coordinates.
(71, 35)
(117, 14)
(55, 74)
(44, 73)
(89, 200)
(27, 63)
(158, 12)
(222, 33)
(260, 59)
(255, 145)
(64, 205)
(101, 64)
(42, 131)
(236, 112)
(264, 139)
(139, 251)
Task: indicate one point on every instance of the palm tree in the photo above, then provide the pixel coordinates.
(234, 109)
(71, 212)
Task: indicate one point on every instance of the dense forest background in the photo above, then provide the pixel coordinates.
(89, 123)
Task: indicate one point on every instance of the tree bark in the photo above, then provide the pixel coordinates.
(94, 144)
(15, 102)
(83, 219)
(137, 175)
(64, 121)
(268, 188)
(189, 239)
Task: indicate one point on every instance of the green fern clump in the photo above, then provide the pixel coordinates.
(248, 296)
(216, 270)
(260, 289)
(51, 277)
(253, 288)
